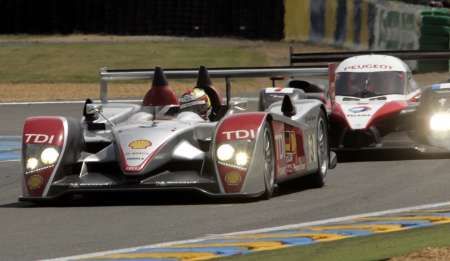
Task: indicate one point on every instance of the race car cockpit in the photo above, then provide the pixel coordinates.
(370, 84)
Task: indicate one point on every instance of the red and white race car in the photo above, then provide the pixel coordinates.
(373, 95)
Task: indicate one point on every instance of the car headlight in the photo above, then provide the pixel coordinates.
(49, 156)
(32, 163)
(225, 152)
(241, 158)
(440, 122)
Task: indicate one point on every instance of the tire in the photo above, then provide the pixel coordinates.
(317, 179)
(269, 162)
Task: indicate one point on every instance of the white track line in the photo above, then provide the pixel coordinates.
(7, 137)
(3, 161)
(263, 230)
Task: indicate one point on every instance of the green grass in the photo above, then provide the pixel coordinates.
(33, 62)
(376, 247)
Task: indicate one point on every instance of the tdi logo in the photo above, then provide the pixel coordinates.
(239, 134)
(39, 138)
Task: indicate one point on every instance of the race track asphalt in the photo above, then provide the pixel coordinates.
(29, 232)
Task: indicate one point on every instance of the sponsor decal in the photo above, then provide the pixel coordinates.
(38, 138)
(359, 109)
(290, 147)
(233, 178)
(291, 142)
(239, 134)
(140, 144)
(368, 66)
(35, 182)
(280, 90)
(136, 155)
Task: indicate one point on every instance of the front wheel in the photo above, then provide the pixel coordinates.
(317, 179)
(269, 162)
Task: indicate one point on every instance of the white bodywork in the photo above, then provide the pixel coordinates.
(360, 111)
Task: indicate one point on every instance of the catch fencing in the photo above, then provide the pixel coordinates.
(260, 19)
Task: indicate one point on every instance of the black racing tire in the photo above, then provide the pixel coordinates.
(317, 179)
(269, 162)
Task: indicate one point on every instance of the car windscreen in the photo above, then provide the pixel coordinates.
(370, 84)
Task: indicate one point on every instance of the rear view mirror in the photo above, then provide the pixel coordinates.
(92, 109)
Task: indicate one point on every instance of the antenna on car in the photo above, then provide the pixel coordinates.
(228, 91)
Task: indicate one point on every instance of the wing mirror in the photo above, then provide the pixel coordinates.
(92, 109)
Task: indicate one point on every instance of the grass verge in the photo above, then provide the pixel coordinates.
(39, 68)
(376, 247)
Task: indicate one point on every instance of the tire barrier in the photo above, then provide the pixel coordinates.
(434, 34)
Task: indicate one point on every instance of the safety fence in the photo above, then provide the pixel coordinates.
(354, 24)
(261, 19)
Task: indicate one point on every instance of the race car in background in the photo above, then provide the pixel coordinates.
(157, 146)
(373, 94)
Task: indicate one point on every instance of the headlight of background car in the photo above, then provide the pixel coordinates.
(440, 121)
(39, 156)
(235, 154)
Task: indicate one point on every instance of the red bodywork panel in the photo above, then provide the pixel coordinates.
(41, 131)
(387, 110)
(243, 126)
(289, 148)
(338, 115)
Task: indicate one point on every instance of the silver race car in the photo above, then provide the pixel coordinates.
(157, 145)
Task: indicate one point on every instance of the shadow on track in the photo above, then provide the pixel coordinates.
(387, 155)
(160, 198)
(106, 199)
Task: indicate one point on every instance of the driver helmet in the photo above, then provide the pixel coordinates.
(196, 101)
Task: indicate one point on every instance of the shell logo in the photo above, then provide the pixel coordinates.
(35, 182)
(140, 144)
(233, 178)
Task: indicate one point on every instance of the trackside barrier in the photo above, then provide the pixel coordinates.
(434, 34)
